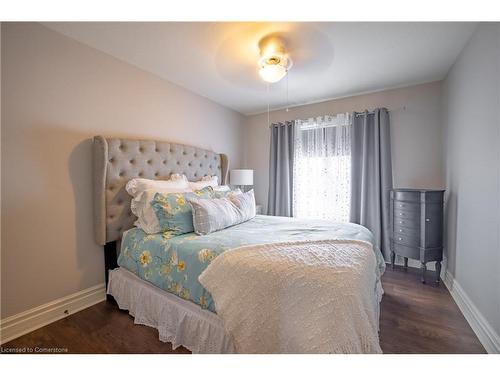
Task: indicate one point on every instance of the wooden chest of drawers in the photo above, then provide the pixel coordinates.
(417, 227)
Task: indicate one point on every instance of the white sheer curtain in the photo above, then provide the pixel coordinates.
(322, 168)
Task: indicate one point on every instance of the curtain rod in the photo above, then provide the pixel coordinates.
(403, 108)
(362, 113)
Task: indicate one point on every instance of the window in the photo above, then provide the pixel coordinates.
(322, 168)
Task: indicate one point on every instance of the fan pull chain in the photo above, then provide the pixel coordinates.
(268, 107)
(287, 73)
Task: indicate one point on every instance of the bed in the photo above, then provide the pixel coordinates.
(161, 280)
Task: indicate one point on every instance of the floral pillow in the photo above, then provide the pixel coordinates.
(174, 213)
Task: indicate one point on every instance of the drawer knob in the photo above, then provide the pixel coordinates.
(400, 214)
(399, 238)
(401, 230)
(427, 220)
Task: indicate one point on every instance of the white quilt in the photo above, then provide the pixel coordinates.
(300, 297)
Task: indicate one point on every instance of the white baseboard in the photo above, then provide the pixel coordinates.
(27, 321)
(483, 330)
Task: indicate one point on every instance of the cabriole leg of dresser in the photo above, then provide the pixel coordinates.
(406, 262)
(438, 271)
(393, 258)
(424, 268)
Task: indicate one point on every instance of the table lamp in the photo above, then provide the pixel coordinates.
(241, 178)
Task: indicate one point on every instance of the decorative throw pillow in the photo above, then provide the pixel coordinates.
(210, 215)
(246, 203)
(146, 216)
(173, 211)
(143, 191)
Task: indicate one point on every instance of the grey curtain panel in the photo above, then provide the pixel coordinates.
(280, 198)
(371, 174)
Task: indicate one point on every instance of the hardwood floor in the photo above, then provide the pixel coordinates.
(415, 318)
(422, 318)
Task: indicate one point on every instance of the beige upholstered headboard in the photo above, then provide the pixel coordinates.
(117, 160)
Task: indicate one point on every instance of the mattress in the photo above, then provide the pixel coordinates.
(175, 263)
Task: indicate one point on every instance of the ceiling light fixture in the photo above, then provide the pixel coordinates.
(274, 62)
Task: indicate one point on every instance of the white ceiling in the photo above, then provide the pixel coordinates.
(331, 60)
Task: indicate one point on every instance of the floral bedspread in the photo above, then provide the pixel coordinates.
(173, 263)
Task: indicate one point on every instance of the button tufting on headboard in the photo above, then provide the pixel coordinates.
(118, 160)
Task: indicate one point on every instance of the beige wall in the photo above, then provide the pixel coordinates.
(471, 116)
(415, 134)
(57, 94)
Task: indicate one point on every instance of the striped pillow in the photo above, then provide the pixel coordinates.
(210, 215)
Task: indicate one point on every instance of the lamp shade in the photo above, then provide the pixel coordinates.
(241, 177)
(272, 73)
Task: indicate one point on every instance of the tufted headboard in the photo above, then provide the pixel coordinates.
(117, 160)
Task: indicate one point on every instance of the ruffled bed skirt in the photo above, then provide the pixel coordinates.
(178, 321)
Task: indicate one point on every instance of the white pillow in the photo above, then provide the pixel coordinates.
(137, 185)
(204, 182)
(143, 191)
